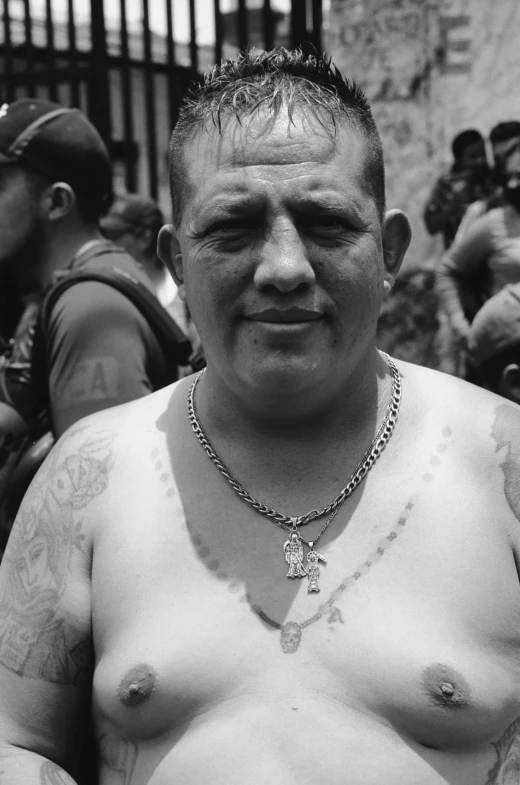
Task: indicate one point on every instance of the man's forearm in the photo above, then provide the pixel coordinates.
(22, 767)
(450, 299)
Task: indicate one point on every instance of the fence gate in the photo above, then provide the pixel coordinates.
(127, 63)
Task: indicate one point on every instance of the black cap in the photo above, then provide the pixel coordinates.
(57, 142)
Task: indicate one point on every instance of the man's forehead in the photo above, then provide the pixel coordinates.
(245, 157)
(281, 140)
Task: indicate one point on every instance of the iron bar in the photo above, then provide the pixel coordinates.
(29, 49)
(172, 82)
(126, 95)
(218, 31)
(194, 49)
(317, 21)
(242, 25)
(73, 56)
(298, 22)
(267, 13)
(150, 104)
(51, 64)
(99, 88)
(8, 56)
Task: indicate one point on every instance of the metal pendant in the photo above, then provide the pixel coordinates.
(293, 552)
(313, 569)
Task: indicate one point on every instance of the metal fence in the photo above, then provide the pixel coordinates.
(128, 74)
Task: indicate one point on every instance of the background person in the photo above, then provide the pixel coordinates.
(134, 222)
(55, 184)
(487, 257)
(504, 139)
(494, 343)
(165, 602)
(468, 180)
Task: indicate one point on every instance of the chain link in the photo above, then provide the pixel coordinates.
(370, 457)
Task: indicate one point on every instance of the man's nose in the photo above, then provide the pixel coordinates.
(284, 263)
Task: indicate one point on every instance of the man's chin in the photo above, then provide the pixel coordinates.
(285, 377)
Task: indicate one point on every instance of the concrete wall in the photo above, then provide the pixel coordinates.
(430, 69)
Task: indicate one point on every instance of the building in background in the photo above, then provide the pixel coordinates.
(430, 69)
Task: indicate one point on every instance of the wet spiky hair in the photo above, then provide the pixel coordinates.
(270, 82)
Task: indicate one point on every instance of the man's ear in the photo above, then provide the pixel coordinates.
(57, 201)
(396, 235)
(169, 252)
(509, 384)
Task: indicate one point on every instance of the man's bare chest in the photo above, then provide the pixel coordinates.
(413, 623)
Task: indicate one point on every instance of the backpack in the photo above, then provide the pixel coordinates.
(22, 458)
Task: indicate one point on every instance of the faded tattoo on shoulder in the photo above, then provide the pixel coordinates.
(506, 433)
(506, 770)
(36, 639)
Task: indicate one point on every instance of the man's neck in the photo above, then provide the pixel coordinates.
(60, 248)
(302, 458)
(352, 408)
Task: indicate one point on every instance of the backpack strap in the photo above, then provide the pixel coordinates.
(172, 339)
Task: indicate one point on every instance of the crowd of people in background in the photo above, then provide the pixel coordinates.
(89, 313)
(476, 208)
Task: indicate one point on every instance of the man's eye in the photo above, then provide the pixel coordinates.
(230, 228)
(325, 223)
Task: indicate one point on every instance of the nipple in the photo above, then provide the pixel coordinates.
(446, 687)
(137, 686)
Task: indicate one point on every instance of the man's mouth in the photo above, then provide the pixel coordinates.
(285, 315)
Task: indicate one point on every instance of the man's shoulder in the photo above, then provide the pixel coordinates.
(116, 257)
(156, 412)
(86, 299)
(469, 411)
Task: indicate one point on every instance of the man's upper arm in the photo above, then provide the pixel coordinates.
(98, 347)
(46, 654)
(467, 255)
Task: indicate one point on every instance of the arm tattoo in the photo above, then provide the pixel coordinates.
(37, 639)
(506, 770)
(51, 774)
(120, 756)
(506, 432)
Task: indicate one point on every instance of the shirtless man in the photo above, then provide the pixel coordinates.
(167, 591)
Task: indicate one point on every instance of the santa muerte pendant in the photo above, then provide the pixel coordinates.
(313, 569)
(293, 551)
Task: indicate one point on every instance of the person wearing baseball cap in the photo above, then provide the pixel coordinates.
(55, 185)
(494, 343)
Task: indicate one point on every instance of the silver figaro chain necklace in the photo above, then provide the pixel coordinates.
(293, 547)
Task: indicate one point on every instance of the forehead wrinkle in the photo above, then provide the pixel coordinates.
(236, 173)
(239, 194)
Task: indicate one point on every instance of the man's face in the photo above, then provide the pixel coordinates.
(19, 219)
(474, 157)
(281, 250)
(503, 150)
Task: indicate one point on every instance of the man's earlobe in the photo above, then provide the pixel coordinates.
(396, 236)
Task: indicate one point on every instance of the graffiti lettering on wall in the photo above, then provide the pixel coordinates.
(454, 50)
(406, 25)
(383, 45)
